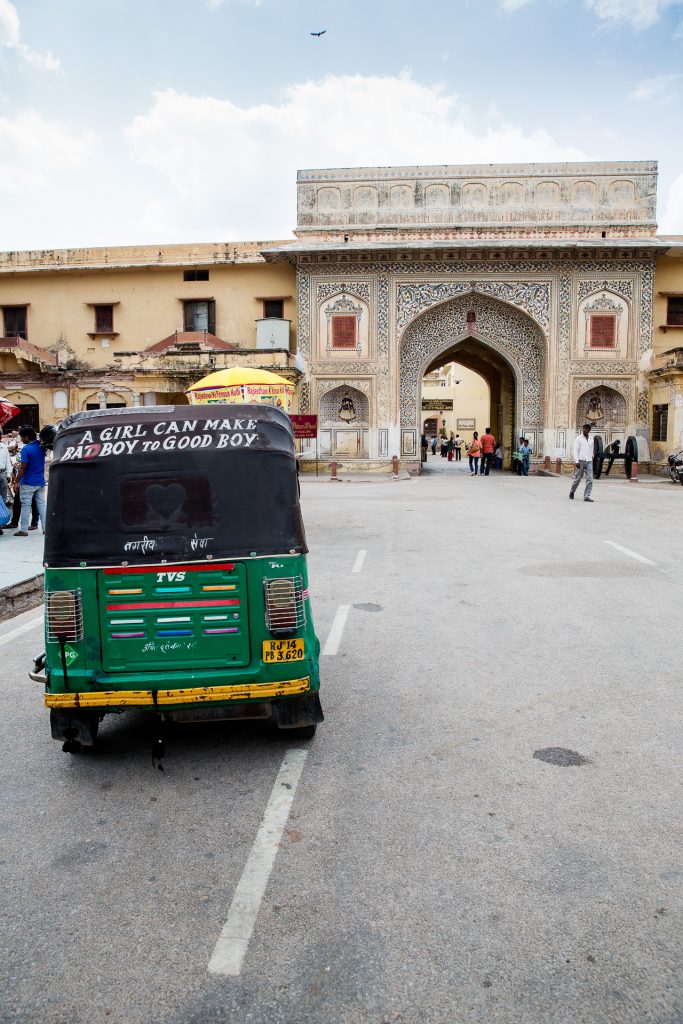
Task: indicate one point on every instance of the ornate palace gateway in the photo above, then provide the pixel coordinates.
(538, 277)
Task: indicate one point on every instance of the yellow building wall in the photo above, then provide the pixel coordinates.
(148, 305)
(668, 278)
(666, 380)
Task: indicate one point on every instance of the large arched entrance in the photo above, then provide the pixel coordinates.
(500, 342)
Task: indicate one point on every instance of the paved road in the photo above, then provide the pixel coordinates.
(432, 870)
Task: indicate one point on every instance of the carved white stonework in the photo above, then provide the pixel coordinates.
(498, 195)
(608, 401)
(330, 385)
(428, 245)
(498, 326)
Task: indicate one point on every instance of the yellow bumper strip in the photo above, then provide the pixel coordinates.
(144, 698)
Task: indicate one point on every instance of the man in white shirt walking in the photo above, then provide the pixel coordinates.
(583, 461)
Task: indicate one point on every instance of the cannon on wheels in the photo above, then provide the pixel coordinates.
(611, 453)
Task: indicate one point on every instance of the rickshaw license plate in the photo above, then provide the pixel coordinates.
(283, 650)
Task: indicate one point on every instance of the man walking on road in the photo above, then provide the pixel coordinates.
(583, 462)
(488, 447)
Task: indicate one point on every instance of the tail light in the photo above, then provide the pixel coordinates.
(284, 601)
(64, 615)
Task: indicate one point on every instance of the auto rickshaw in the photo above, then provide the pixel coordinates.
(175, 571)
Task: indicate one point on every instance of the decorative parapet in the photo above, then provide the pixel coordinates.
(564, 199)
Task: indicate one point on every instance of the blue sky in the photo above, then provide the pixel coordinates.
(159, 121)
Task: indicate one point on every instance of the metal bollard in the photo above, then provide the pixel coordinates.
(546, 464)
(394, 467)
(558, 466)
(334, 471)
(634, 473)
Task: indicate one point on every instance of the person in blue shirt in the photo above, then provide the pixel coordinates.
(31, 478)
(525, 452)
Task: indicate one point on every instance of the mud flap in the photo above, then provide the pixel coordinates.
(74, 726)
(298, 711)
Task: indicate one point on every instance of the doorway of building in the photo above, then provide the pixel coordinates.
(476, 387)
(495, 340)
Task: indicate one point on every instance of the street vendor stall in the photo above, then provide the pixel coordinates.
(241, 384)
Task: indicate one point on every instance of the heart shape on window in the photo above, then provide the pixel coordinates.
(165, 499)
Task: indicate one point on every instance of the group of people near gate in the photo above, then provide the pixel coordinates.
(22, 480)
(484, 453)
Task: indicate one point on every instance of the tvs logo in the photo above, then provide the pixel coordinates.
(170, 577)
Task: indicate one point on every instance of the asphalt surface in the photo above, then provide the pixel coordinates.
(432, 870)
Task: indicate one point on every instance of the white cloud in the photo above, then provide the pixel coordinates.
(229, 171)
(37, 152)
(10, 38)
(640, 14)
(672, 219)
(514, 5)
(661, 86)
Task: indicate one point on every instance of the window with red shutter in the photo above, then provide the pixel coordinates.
(343, 332)
(603, 331)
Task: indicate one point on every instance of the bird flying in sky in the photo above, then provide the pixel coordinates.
(318, 34)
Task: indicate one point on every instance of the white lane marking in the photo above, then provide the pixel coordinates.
(24, 628)
(335, 635)
(360, 558)
(233, 942)
(631, 554)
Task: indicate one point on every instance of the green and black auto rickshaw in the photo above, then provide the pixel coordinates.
(175, 571)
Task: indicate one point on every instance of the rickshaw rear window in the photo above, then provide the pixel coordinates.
(166, 504)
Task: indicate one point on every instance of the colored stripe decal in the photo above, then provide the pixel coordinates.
(174, 618)
(174, 632)
(214, 618)
(223, 586)
(126, 622)
(134, 590)
(125, 636)
(143, 698)
(212, 632)
(134, 570)
(172, 590)
(167, 605)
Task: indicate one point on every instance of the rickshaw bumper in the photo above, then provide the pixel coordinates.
(162, 698)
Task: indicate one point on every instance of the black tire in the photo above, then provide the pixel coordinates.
(598, 457)
(630, 455)
(674, 475)
(631, 450)
(301, 732)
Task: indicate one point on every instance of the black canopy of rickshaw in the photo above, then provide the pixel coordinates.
(172, 483)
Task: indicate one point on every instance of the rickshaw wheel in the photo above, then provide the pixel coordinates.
(302, 732)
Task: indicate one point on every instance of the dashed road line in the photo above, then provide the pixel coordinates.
(233, 942)
(335, 634)
(18, 630)
(631, 554)
(360, 558)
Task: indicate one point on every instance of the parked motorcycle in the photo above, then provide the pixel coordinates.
(676, 467)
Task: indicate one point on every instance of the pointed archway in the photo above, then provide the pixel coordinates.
(495, 339)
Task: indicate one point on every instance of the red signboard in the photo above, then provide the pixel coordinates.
(305, 426)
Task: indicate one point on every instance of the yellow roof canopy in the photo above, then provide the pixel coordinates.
(238, 376)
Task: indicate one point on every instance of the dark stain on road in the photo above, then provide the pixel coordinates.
(80, 853)
(561, 756)
(369, 607)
